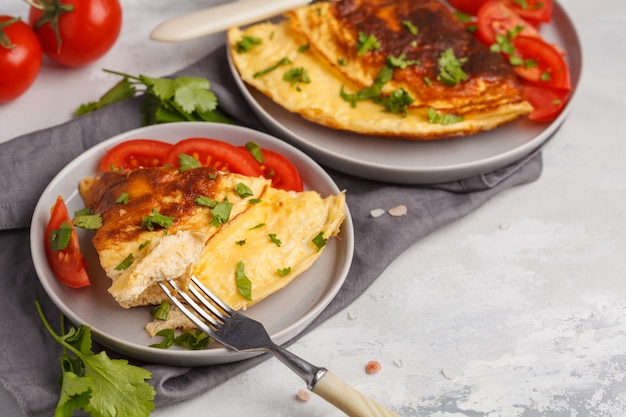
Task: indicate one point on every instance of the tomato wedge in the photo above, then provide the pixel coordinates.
(547, 102)
(550, 69)
(136, 153)
(467, 6)
(494, 18)
(276, 167)
(534, 11)
(217, 154)
(67, 263)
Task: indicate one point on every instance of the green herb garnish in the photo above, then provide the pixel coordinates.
(450, 71)
(156, 219)
(244, 285)
(95, 383)
(60, 238)
(319, 240)
(283, 61)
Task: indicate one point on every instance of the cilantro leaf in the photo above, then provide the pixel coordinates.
(319, 240)
(60, 238)
(450, 71)
(187, 162)
(221, 212)
(165, 100)
(244, 285)
(95, 383)
(435, 117)
(366, 43)
(156, 219)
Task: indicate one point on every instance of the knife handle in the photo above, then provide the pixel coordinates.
(347, 399)
(216, 19)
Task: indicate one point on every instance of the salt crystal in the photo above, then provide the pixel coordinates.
(303, 395)
(377, 212)
(398, 210)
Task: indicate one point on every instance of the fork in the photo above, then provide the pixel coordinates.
(241, 333)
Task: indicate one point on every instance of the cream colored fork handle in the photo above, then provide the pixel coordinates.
(347, 399)
(219, 18)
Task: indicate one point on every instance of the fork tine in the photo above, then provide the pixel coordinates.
(191, 309)
(214, 298)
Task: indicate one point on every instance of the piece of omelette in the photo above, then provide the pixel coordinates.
(214, 225)
(396, 68)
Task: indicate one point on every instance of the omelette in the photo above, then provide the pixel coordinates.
(406, 69)
(160, 224)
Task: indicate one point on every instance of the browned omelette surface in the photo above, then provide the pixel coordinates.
(325, 41)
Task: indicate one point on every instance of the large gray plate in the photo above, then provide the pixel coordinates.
(411, 162)
(285, 314)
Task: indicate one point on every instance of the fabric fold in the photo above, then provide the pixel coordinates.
(28, 163)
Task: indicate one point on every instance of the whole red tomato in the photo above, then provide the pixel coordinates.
(20, 58)
(75, 33)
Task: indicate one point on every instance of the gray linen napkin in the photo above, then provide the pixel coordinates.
(29, 357)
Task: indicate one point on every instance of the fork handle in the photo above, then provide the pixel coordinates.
(347, 399)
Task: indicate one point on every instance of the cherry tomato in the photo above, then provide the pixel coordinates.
(68, 265)
(494, 18)
(467, 6)
(136, 153)
(75, 33)
(219, 155)
(20, 58)
(534, 11)
(549, 68)
(547, 102)
(280, 170)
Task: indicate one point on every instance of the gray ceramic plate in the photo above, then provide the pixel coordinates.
(407, 162)
(285, 314)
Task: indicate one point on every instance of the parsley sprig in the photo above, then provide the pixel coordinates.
(95, 383)
(165, 99)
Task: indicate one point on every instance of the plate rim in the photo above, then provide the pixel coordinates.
(218, 355)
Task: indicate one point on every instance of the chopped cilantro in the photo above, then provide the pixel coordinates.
(319, 240)
(88, 221)
(144, 244)
(221, 212)
(256, 151)
(283, 272)
(274, 239)
(162, 311)
(205, 201)
(450, 72)
(401, 61)
(156, 219)
(342, 61)
(296, 75)
(410, 26)
(192, 339)
(123, 198)
(366, 43)
(244, 285)
(126, 263)
(304, 48)
(397, 102)
(283, 61)
(240, 242)
(427, 81)
(254, 201)
(258, 226)
(60, 238)
(435, 117)
(243, 190)
(246, 43)
(187, 162)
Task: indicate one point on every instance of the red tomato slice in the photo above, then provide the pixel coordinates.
(494, 18)
(550, 69)
(467, 6)
(136, 153)
(280, 170)
(219, 155)
(547, 102)
(532, 10)
(68, 265)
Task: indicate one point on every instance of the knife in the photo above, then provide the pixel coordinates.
(216, 19)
